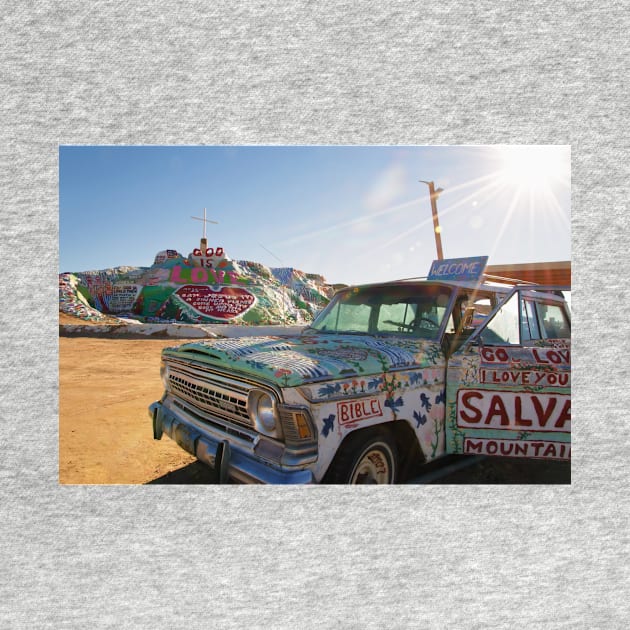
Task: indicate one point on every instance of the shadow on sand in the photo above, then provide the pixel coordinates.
(195, 473)
(481, 471)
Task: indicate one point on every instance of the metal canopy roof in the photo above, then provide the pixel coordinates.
(547, 273)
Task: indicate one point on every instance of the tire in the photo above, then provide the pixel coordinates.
(366, 457)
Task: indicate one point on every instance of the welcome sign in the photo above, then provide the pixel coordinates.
(459, 269)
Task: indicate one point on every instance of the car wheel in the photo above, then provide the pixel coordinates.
(366, 457)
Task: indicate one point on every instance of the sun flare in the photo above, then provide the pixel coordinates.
(534, 167)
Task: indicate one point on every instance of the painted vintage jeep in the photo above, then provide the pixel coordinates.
(388, 376)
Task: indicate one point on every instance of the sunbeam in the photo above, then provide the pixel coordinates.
(514, 201)
(315, 234)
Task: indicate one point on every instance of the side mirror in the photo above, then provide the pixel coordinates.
(475, 341)
(467, 317)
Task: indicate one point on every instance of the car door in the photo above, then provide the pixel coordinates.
(509, 385)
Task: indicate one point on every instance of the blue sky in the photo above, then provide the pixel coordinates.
(354, 214)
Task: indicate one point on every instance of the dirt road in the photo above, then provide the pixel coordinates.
(105, 435)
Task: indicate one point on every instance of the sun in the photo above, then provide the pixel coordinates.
(534, 168)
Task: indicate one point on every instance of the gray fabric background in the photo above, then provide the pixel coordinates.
(313, 73)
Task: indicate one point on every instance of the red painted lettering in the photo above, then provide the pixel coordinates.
(554, 357)
(537, 356)
(557, 357)
(565, 415)
(520, 449)
(497, 408)
(517, 448)
(502, 355)
(354, 411)
(519, 421)
(494, 355)
(474, 447)
(466, 402)
(343, 412)
(491, 447)
(543, 414)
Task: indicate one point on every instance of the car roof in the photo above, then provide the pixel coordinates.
(489, 284)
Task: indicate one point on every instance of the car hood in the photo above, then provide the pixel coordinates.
(294, 361)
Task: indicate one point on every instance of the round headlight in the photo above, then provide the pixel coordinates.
(262, 411)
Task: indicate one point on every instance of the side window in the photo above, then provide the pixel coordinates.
(529, 322)
(554, 322)
(503, 328)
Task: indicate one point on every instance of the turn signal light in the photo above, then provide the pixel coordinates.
(304, 430)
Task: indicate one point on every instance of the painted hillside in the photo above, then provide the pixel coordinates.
(204, 287)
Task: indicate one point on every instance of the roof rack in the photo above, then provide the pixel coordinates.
(486, 277)
(497, 281)
(511, 281)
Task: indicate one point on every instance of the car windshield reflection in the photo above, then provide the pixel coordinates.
(411, 311)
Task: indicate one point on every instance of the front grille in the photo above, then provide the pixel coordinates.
(219, 401)
(210, 393)
(239, 433)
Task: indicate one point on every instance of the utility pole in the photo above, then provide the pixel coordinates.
(434, 194)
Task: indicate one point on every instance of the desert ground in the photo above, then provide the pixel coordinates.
(105, 436)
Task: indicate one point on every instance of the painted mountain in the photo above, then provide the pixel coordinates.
(205, 287)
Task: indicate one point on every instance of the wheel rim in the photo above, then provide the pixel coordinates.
(374, 466)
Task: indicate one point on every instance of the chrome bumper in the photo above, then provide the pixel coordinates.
(227, 461)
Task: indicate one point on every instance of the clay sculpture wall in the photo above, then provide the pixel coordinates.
(205, 287)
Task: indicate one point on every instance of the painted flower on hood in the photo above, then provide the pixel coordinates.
(284, 374)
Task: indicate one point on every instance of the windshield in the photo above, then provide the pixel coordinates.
(413, 311)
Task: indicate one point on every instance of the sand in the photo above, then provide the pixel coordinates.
(105, 434)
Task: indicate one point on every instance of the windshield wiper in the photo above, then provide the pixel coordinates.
(353, 332)
(309, 330)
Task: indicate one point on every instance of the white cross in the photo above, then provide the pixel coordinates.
(205, 221)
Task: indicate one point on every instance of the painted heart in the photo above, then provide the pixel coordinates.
(222, 304)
